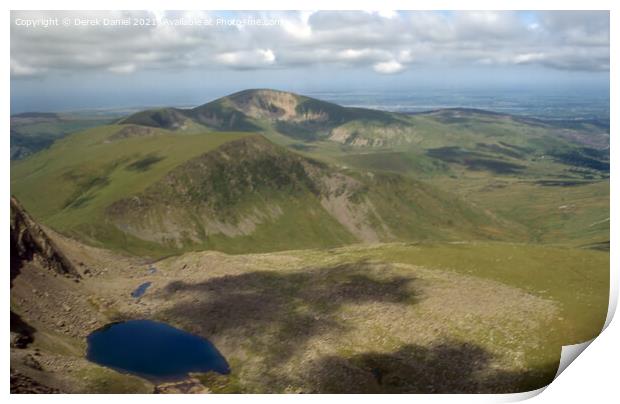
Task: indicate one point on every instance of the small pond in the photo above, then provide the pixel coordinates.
(153, 350)
(140, 290)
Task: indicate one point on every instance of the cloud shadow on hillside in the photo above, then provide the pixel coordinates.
(282, 311)
(444, 367)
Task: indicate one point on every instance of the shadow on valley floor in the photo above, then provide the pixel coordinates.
(271, 318)
(447, 367)
(279, 312)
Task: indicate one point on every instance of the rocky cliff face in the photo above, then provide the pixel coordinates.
(30, 243)
(31, 246)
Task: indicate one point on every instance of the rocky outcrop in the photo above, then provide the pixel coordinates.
(30, 243)
(188, 386)
(22, 384)
(22, 333)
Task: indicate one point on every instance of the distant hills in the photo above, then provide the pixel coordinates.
(266, 170)
(34, 131)
(307, 119)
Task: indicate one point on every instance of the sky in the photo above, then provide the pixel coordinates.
(82, 60)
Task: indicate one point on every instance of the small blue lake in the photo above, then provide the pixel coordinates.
(153, 350)
(140, 290)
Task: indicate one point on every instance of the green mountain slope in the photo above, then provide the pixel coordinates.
(69, 185)
(251, 195)
(150, 190)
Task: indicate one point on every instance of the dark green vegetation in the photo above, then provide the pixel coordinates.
(34, 131)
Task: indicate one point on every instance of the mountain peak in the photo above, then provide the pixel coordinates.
(265, 103)
(260, 92)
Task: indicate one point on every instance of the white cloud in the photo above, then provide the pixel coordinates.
(123, 69)
(390, 67)
(298, 27)
(529, 57)
(385, 42)
(247, 59)
(267, 55)
(388, 13)
(19, 70)
(405, 56)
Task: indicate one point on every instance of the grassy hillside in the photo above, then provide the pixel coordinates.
(251, 195)
(572, 213)
(69, 186)
(533, 174)
(149, 190)
(575, 280)
(246, 194)
(551, 201)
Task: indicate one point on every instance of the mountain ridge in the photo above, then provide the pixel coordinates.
(291, 114)
(302, 118)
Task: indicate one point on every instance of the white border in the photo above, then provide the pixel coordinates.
(592, 377)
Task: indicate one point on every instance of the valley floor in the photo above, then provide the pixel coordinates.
(416, 318)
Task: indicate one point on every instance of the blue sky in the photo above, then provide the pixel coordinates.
(77, 67)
